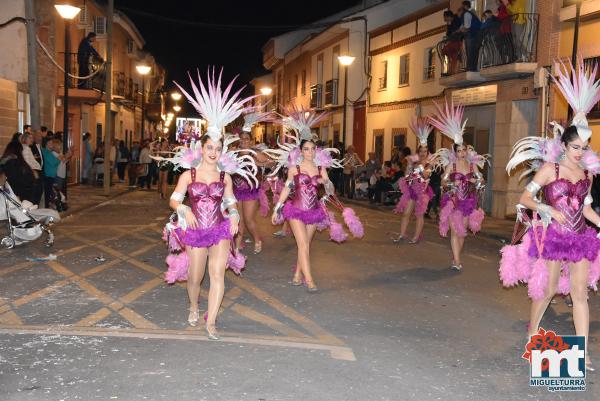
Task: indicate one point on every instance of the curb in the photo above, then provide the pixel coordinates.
(505, 239)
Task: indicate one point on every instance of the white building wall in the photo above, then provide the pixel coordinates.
(13, 42)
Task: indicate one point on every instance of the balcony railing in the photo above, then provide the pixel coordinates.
(96, 82)
(316, 96)
(331, 92)
(429, 72)
(499, 42)
(513, 40)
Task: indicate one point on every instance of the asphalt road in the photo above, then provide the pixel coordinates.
(390, 322)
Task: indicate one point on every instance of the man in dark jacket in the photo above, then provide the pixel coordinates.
(84, 52)
(470, 28)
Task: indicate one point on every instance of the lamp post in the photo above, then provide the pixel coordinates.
(176, 96)
(265, 91)
(575, 40)
(346, 61)
(177, 108)
(143, 70)
(67, 12)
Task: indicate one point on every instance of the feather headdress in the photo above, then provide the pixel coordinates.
(256, 115)
(582, 92)
(218, 107)
(421, 128)
(449, 121)
(297, 122)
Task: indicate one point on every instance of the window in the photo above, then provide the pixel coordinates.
(303, 88)
(83, 16)
(404, 69)
(335, 66)
(589, 63)
(130, 46)
(279, 98)
(320, 69)
(383, 76)
(295, 88)
(399, 138)
(289, 90)
(24, 115)
(429, 69)
(100, 25)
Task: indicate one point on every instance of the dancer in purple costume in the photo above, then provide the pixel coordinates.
(248, 196)
(559, 252)
(416, 192)
(461, 181)
(205, 230)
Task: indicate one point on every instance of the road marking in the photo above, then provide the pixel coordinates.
(336, 352)
(94, 318)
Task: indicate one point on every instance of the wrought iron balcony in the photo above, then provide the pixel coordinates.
(331, 92)
(316, 96)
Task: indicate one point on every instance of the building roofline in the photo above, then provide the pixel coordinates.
(423, 12)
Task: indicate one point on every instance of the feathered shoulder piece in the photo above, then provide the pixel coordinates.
(475, 158)
(442, 158)
(582, 92)
(449, 121)
(218, 107)
(421, 128)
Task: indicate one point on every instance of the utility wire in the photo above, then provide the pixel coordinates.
(227, 27)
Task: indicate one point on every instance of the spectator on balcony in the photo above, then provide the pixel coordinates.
(86, 55)
(518, 20)
(453, 41)
(470, 27)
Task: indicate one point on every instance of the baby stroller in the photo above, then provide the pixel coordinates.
(25, 221)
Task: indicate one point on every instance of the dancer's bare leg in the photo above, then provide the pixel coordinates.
(539, 307)
(579, 296)
(406, 217)
(217, 263)
(249, 211)
(196, 270)
(300, 231)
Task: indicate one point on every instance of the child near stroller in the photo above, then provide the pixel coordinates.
(25, 221)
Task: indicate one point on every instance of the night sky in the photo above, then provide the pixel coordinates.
(180, 47)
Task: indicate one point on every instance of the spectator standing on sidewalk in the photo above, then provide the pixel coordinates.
(132, 171)
(372, 164)
(26, 142)
(351, 162)
(470, 28)
(87, 158)
(61, 173)
(144, 169)
(163, 169)
(20, 176)
(50, 171)
(123, 160)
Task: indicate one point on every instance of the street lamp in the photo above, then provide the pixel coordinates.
(266, 91)
(67, 12)
(176, 96)
(177, 108)
(143, 70)
(345, 61)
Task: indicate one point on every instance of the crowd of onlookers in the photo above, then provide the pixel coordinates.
(375, 181)
(465, 27)
(35, 164)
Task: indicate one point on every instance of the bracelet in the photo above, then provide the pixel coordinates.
(234, 212)
(229, 201)
(289, 184)
(588, 200)
(177, 196)
(329, 188)
(278, 208)
(181, 212)
(533, 187)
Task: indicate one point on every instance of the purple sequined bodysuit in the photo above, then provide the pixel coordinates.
(242, 189)
(205, 200)
(573, 240)
(305, 204)
(416, 188)
(464, 194)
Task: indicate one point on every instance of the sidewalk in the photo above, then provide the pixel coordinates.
(82, 197)
(492, 228)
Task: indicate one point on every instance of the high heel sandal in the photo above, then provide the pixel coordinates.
(295, 282)
(194, 317)
(257, 247)
(211, 332)
(398, 239)
(456, 266)
(416, 240)
(311, 287)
